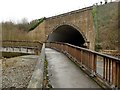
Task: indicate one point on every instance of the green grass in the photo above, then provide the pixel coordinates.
(39, 21)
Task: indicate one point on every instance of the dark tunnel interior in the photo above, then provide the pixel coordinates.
(67, 34)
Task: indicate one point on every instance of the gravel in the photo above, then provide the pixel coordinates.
(17, 72)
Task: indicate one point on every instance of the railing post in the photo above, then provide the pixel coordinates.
(118, 74)
(37, 51)
(94, 65)
(66, 49)
(6, 49)
(13, 48)
(27, 49)
(81, 53)
(106, 69)
(19, 48)
(114, 73)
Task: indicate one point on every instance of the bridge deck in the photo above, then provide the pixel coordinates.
(63, 73)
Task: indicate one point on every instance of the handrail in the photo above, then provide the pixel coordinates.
(104, 67)
(101, 54)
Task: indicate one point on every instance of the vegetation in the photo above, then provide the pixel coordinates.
(106, 26)
(19, 31)
(12, 31)
(46, 82)
(36, 23)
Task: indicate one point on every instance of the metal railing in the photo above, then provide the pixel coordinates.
(105, 68)
(33, 45)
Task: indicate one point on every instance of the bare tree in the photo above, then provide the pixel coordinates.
(24, 21)
(106, 1)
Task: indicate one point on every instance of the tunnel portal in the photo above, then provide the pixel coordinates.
(67, 34)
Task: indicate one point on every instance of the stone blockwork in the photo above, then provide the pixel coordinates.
(38, 33)
(81, 20)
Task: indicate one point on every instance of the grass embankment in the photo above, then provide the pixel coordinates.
(39, 21)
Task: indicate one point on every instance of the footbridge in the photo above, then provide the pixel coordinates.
(28, 47)
(63, 65)
(76, 27)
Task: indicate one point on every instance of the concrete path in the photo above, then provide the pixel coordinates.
(63, 73)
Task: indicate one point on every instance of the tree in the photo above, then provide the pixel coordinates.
(106, 1)
(23, 25)
(24, 21)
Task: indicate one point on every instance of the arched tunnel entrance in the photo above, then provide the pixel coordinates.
(67, 34)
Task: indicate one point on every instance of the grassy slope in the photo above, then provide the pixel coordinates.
(34, 25)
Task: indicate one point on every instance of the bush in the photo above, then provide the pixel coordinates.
(98, 47)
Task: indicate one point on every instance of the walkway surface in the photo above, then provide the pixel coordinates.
(63, 73)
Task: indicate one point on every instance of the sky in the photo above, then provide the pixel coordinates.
(16, 10)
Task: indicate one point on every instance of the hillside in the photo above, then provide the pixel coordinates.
(12, 31)
(106, 25)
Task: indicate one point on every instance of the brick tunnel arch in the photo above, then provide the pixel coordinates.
(67, 34)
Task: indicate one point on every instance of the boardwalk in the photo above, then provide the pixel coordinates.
(63, 73)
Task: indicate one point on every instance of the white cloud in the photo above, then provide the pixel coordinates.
(33, 9)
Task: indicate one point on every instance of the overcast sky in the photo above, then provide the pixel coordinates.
(15, 10)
